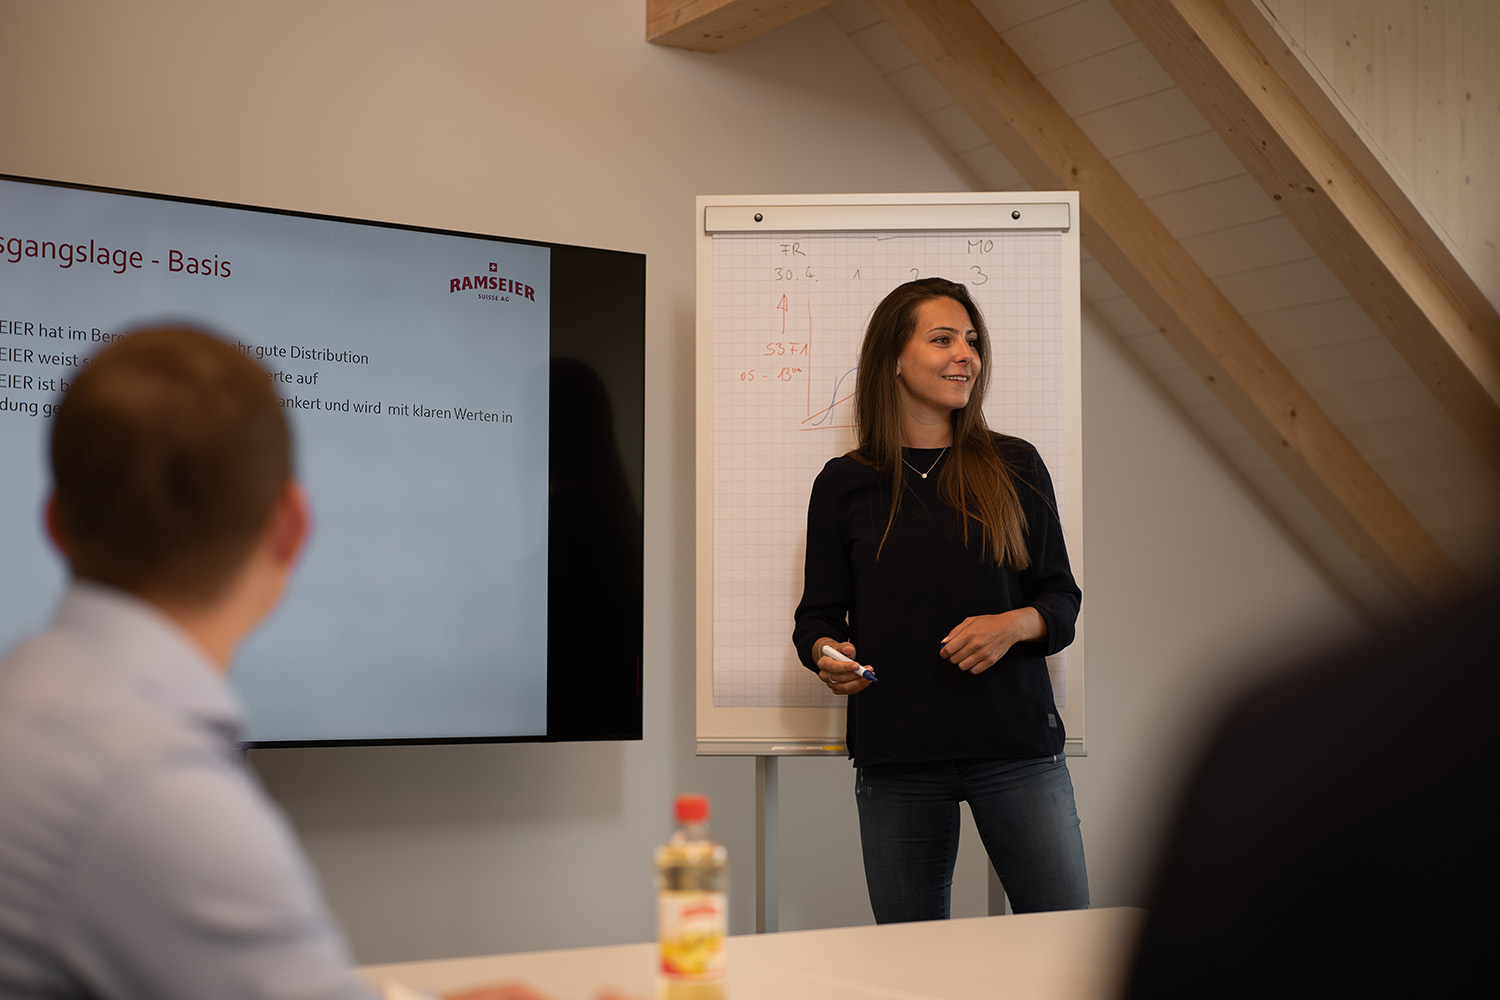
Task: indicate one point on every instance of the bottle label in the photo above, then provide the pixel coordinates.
(692, 927)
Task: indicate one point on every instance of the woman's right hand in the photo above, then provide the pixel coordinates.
(840, 678)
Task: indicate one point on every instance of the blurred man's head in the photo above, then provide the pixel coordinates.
(169, 454)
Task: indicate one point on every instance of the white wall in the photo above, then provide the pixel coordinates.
(557, 121)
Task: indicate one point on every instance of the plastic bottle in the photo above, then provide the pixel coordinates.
(692, 873)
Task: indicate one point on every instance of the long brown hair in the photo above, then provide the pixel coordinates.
(976, 481)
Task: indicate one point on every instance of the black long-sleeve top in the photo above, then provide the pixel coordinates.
(897, 608)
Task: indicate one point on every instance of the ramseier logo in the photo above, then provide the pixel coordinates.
(492, 283)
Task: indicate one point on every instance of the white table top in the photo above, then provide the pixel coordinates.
(1077, 955)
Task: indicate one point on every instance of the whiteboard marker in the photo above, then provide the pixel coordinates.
(834, 654)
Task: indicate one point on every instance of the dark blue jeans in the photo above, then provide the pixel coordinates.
(908, 825)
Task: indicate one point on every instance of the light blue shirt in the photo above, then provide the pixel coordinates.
(138, 858)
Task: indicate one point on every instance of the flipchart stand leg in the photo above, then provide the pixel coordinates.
(766, 899)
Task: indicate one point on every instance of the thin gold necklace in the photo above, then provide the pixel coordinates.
(935, 461)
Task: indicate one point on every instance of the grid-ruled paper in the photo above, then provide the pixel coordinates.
(789, 313)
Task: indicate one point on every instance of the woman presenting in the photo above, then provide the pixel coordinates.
(935, 558)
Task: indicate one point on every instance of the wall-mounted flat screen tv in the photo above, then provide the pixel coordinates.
(468, 412)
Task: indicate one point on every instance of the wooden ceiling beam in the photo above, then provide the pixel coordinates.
(1295, 143)
(716, 25)
(991, 83)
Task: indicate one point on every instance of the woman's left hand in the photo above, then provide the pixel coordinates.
(979, 642)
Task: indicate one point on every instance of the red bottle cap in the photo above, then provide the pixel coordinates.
(692, 808)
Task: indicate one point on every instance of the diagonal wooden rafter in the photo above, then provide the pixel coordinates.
(1361, 224)
(991, 83)
(716, 25)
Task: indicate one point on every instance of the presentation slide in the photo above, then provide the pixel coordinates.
(413, 368)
